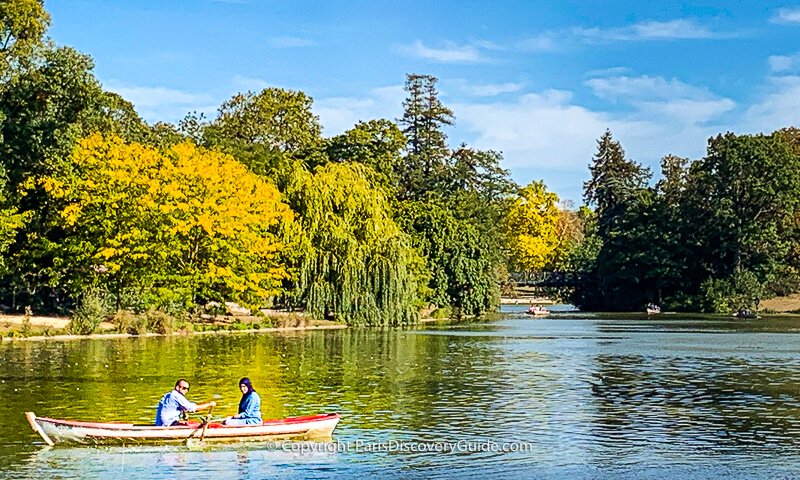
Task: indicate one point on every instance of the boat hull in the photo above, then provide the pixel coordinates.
(55, 431)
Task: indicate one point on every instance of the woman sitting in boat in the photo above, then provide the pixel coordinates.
(174, 403)
(249, 406)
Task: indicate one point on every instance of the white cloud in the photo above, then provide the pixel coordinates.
(289, 42)
(787, 15)
(547, 135)
(485, 90)
(242, 83)
(164, 104)
(449, 53)
(545, 42)
(679, 29)
(608, 72)
(776, 109)
(338, 114)
(657, 97)
(784, 63)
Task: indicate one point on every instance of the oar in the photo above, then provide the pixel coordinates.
(205, 425)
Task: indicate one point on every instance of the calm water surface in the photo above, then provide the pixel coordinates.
(586, 397)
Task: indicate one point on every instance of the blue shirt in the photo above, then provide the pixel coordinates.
(252, 408)
(170, 408)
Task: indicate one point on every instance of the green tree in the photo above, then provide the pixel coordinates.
(459, 258)
(359, 266)
(746, 198)
(266, 131)
(424, 117)
(376, 143)
(614, 182)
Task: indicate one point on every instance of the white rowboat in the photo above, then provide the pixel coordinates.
(55, 431)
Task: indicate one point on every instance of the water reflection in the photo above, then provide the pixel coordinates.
(592, 397)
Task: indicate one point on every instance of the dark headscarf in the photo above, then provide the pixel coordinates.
(250, 389)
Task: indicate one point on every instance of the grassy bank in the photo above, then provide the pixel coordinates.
(124, 324)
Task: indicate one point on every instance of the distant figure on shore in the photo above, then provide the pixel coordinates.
(174, 403)
(249, 406)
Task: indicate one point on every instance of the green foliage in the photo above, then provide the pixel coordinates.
(746, 197)
(732, 294)
(359, 266)
(93, 309)
(46, 107)
(266, 131)
(615, 181)
(22, 25)
(713, 234)
(377, 144)
(425, 167)
(459, 258)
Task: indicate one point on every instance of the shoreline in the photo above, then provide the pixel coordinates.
(180, 333)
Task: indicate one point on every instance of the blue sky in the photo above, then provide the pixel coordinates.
(538, 80)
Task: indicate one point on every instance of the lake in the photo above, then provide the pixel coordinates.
(569, 396)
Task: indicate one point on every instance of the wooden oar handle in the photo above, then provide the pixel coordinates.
(206, 422)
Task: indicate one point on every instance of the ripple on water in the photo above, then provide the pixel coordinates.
(589, 398)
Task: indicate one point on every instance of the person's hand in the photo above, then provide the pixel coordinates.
(213, 403)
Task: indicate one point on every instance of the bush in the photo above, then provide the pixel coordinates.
(159, 322)
(92, 309)
(126, 321)
(726, 295)
(152, 320)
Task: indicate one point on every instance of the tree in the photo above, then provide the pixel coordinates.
(531, 228)
(614, 181)
(460, 259)
(266, 131)
(359, 267)
(424, 116)
(22, 25)
(167, 229)
(46, 108)
(376, 143)
(746, 193)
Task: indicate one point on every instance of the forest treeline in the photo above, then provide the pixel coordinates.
(102, 210)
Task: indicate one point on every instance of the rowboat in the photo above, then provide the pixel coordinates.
(537, 311)
(55, 431)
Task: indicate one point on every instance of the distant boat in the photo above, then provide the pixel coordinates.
(537, 311)
(652, 308)
(745, 313)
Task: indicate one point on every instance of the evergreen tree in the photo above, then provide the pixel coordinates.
(614, 181)
(424, 117)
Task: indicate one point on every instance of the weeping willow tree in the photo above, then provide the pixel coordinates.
(359, 267)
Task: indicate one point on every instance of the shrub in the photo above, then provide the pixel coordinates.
(734, 293)
(159, 322)
(92, 309)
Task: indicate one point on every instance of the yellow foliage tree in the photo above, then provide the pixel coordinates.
(532, 227)
(168, 228)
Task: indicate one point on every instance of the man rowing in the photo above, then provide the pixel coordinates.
(174, 403)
